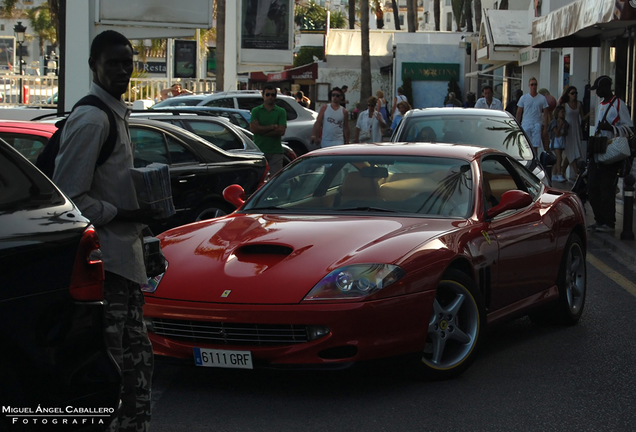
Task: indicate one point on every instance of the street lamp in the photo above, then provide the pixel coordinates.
(135, 58)
(19, 31)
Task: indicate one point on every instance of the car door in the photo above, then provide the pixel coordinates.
(525, 237)
(188, 173)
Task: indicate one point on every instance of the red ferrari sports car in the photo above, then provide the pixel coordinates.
(368, 251)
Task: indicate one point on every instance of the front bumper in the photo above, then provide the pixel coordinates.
(358, 331)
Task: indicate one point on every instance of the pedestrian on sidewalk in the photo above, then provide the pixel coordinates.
(268, 123)
(487, 101)
(559, 130)
(574, 115)
(603, 178)
(106, 196)
(532, 113)
(370, 123)
(332, 125)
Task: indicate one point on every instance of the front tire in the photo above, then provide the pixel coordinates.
(572, 282)
(210, 210)
(455, 328)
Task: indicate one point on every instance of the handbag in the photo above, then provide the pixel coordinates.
(617, 149)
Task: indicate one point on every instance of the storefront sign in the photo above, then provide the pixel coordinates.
(430, 71)
(528, 56)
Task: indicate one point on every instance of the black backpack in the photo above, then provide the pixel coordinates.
(46, 159)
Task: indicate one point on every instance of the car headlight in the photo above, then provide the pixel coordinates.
(355, 281)
(153, 282)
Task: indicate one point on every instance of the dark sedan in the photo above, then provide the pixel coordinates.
(199, 170)
(51, 289)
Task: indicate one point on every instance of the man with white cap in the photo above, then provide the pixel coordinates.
(602, 178)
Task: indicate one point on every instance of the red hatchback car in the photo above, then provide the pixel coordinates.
(368, 251)
(27, 137)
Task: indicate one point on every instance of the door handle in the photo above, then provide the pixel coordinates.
(184, 178)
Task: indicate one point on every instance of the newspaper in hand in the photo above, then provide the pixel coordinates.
(152, 184)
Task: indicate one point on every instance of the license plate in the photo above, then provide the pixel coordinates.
(223, 358)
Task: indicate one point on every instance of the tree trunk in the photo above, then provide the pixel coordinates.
(468, 12)
(365, 73)
(396, 14)
(352, 14)
(478, 14)
(220, 45)
(457, 6)
(436, 13)
(411, 15)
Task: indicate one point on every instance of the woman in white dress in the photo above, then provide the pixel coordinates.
(370, 123)
(574, 115)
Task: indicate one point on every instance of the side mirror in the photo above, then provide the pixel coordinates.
(510, 200)
(234, 194)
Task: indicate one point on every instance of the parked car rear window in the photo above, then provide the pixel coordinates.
(291, 113)
(29, 146)
(22, 185)
(223, 103)
(217, 134)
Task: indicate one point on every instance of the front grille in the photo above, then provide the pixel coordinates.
(230, 334)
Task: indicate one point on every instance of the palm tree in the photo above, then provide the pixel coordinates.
(220, 45)
(411, 15)
(436, 13)
(396, 14)
(468, 14)
(365, 73)
(42, 26)
(352, 14)
(478, 14)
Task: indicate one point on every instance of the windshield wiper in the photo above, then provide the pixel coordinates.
(362, 208)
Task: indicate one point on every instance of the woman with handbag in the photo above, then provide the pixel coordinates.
(573, 143)
(370, 123)
(603, 177)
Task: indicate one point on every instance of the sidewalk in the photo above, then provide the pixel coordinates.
(626, 249)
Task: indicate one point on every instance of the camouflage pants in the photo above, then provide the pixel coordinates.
(128, 342)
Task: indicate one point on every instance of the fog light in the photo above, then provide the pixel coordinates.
(316, 332)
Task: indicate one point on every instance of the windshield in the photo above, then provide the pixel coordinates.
(503, 134)
(408, 185)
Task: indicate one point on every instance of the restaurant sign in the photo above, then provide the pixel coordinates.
(430, 71)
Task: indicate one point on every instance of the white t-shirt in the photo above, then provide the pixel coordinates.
(532, 109)
(618, 115)
(364, 123)
(496, 104)
(332, 127)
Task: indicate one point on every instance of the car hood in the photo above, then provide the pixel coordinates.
(276, 259)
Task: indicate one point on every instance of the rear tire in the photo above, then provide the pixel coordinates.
(572, 284)
(455, 329)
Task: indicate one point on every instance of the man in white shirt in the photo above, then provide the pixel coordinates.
(332, 125)
(487, 101)
(532, 108)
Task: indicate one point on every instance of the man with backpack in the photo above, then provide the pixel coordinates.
(105, 194)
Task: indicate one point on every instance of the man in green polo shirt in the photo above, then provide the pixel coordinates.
(268, 124)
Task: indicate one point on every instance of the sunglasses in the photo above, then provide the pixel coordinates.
(573, 93)
(533, 85)
(270, 94)
(336, 95)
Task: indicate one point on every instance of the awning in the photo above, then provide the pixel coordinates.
(502, 34)
(583, 23)
(484, 73)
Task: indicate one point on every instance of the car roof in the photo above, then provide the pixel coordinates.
(28, 125)
(451, 111)
(458, 151)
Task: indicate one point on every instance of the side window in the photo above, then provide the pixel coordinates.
(29, 146)
(178, 152)
(222, 103)
(150, 146)
(497, 179)
(291, 113)
(216, 134)
(248, 103)
(531, 183)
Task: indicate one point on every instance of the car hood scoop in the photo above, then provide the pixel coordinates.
(278, 259)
